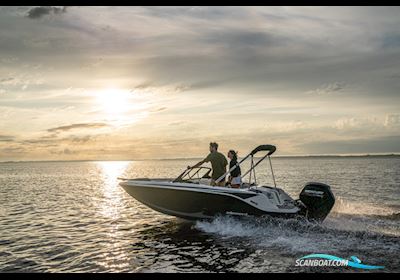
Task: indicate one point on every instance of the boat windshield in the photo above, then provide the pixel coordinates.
(193, 175)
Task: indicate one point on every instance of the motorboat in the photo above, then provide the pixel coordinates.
(190, 196)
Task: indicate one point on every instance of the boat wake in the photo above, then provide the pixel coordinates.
(344, 234)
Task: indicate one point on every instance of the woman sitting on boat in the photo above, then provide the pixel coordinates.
(235, 178)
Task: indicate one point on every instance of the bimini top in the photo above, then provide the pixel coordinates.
(270, 148)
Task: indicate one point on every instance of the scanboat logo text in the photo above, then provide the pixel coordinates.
(329, 260)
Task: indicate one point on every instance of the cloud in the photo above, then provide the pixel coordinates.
(28, 75)
(208, 84)
(159, 109)
(65, 151)
(6, 81)
(176, 123)
(12, 150)
(179, 87)
(288, 126)
(9, 59)
(39, 12)
(6, 138)
(349, 123)
(77, 126)
(53, 140)
(328, 89)
(238, 39)
(83, 139)
(93, 64)
(395, 76)
(153, 87)
(368, 124)
(363, 126)
(392, 120)
(69, 152)
(386, 144)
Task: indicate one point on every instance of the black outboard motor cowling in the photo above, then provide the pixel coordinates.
(318, 199)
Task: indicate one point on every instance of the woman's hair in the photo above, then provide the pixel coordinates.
(234, 154)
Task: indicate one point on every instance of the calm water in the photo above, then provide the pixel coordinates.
(73, 217)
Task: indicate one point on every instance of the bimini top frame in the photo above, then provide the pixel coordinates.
(270, 148)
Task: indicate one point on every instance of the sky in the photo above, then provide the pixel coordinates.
(126, 83)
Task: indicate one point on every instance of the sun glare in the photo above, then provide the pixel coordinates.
(114, 102)
(120, 107)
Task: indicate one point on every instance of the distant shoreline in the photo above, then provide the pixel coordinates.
(199, 158)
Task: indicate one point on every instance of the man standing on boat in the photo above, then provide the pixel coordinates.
(218, 164)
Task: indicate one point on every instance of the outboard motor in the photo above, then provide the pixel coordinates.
(318, 200)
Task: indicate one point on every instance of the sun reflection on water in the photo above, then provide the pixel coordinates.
(114, 258)
(110, 171)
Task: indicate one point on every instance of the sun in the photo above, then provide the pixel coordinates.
(114, 102)
(119, 106)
